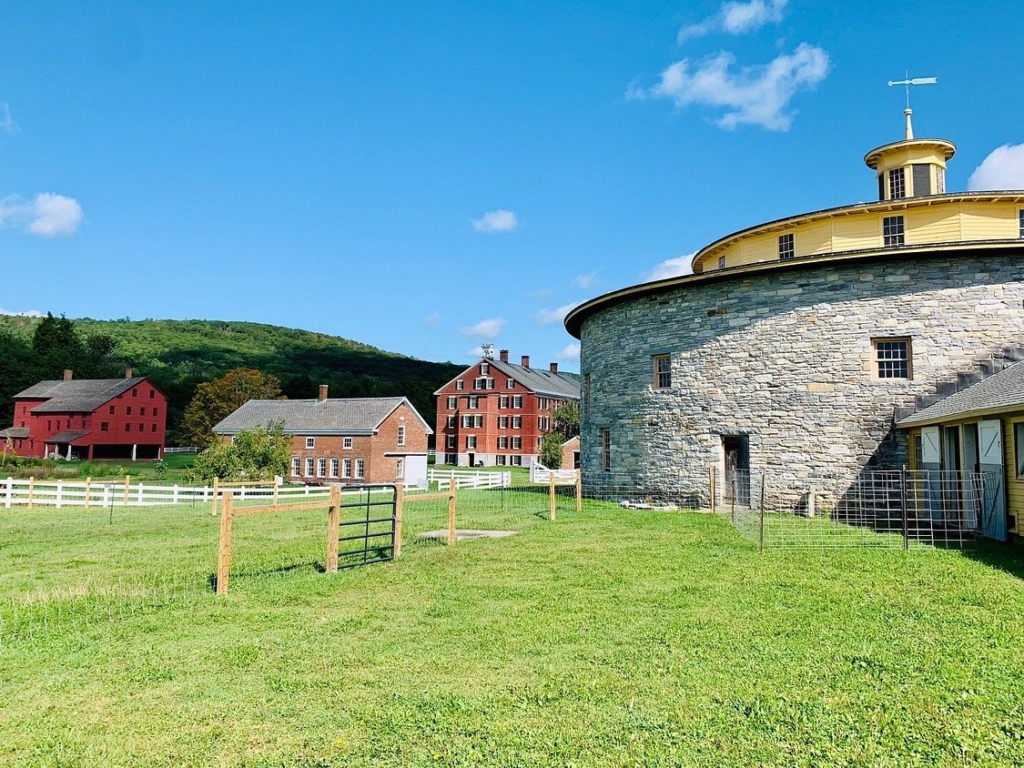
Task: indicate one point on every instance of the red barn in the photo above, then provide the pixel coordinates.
(89, 419)
(495, 412)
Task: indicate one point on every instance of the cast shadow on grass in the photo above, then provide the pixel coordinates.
(1008, 557)
(319, 567)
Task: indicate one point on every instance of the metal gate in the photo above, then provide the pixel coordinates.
(366, 526)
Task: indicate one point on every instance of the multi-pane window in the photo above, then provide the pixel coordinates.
(485, 368)
(892, 358)
(310, 443)
(517, 443)
(515, 461)
(517, 401)
(334, 466)
(1020, 216)
(606, 450)
(940, 180)
(450, 441)
(321, 467)
(543, 423)
(128, 410)
(295, 465)
(400, 469)
(452, 403)
(360, 468)
(467, 421)
(470, 441)
(111, 409)
(503, 422)
(511, 384)
(459, 384)
(346, 468)
(401, 434)
(309, 466)
(897, 183)
(474, 402)
(787, 246)
(503, 401)
(662, 372)
(503, 442)
(517, 422)
(478, 421)
(451, 422)
(892, 230)
(721, 262)
(104, 426)
(500, 460)
(346, 443)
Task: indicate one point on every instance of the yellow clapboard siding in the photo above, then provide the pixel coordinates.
(933, 225)
(1014, 484)
(857, 232)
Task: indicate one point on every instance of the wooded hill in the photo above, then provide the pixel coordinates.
(177, 355)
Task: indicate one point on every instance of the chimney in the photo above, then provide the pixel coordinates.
(503, 355)
(128, 373)
(554, 367)
(526, 361)
(67, 374)
(323, 393)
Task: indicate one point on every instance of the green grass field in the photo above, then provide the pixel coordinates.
(607, 638)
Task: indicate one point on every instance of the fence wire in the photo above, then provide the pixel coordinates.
(881, 508)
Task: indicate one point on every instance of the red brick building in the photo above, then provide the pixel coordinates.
(89, 419)
(344, 440)
(495, 412)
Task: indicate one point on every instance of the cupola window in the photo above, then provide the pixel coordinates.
(897, 184)
(787, 247)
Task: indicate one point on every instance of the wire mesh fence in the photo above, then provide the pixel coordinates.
(880, 508)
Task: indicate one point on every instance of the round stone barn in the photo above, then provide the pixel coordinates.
(795, 346)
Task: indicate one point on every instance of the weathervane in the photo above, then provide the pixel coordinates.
(907, 82)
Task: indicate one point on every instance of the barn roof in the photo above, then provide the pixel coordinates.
(76, 395)
(333, 416)
(536, 380)
(1001, 392)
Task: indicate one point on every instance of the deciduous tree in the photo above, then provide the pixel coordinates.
(255, 454)
(215, 400)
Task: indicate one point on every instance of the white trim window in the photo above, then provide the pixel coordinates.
(787, 246)
(503, 422)
(296, 466)
(399, 469)
(517, 422)
(511, 384)
(478, 421)
(450, 423)
(485, 368)
(503, 442)
(467, 421)
(346, 468)
(360, 469)
(453, 403)
(346, 443)
(401, 434)
(460, 385)
(450, 442)
(502, 401)
(474, 402)
(517, 443)
(334, 466)
(470, 442)
(309, 466)
(310, 443)
(892, 231)
(321, 467)
(897, 184)
(517, 401)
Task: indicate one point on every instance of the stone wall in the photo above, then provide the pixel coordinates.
(785, 357)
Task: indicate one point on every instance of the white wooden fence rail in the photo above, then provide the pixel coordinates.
(541, 474)
(465, 478)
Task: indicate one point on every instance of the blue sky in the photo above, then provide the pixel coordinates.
(428, 177)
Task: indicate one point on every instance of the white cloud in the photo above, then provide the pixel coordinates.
(26, 313)
(557, 315)
(1002, 169)
(585, 281)
(736, 18)
(496, 221)
(7, 125)
(485, 329)
(46, 215)
(680, 265)
(570, 352)
(756, 95)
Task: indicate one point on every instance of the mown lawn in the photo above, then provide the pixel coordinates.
(607, 638)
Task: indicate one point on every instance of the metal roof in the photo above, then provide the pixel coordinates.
(999, 392)
(67, 436)
(536, 380)
(77, 395)
(334, 416)
(14, 432)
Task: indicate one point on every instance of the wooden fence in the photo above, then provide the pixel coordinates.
(465, 478)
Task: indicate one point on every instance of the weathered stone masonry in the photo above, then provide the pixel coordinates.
(784, 356)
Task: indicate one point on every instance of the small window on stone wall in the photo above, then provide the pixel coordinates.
(892, 358)
(662, 372)
(606, 450)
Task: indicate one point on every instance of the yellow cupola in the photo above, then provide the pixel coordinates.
(912, 167)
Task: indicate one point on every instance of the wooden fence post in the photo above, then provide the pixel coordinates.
(551, 494)
(127, 484)
(452, 488)
(579, 490)
(276, 486)
(88, 490)
(224, 553)
(213, 508)
(31, 490)
(396, 551)
(333, 527)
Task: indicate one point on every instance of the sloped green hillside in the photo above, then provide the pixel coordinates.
(179, 354)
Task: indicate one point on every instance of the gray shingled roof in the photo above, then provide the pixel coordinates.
(334, 416)
(77, 396)
(67, 436)
(1002, 391)
(14, 432)
(540, 381)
